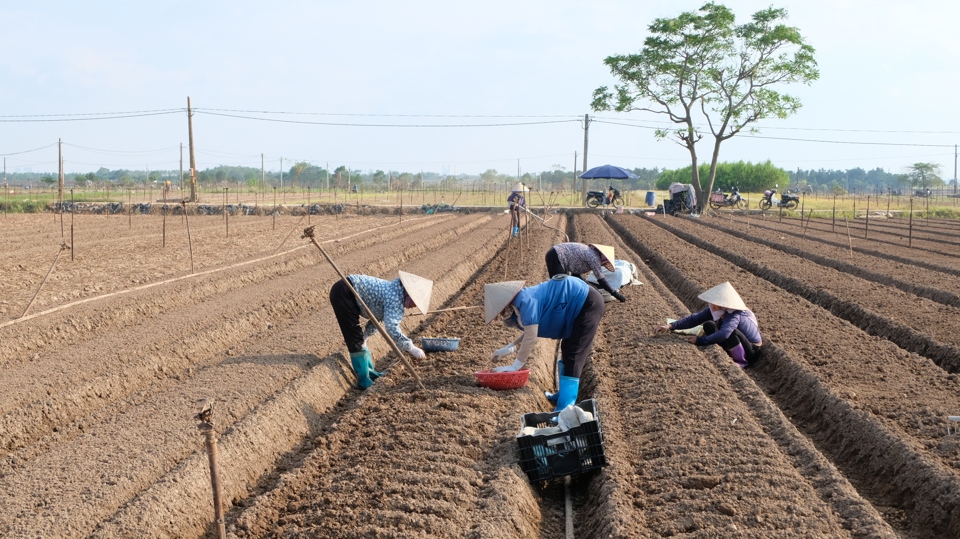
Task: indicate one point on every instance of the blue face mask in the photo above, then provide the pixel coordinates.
(512, 321)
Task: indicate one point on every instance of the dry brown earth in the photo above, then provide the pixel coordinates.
(839, 431)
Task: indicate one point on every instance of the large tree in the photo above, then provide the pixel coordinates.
(701, 66)
(923, 175)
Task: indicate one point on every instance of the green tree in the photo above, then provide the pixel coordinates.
(923, 175)
(48, 179)
(701, 63)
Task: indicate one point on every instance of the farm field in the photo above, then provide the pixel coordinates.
(838, 430)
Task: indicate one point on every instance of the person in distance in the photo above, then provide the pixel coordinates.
(387, 301)
(517, 203)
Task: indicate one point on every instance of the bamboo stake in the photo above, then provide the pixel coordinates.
(62, 247)
(189, 238)
(849, 241)
(205, 416)
(309, 233)
(448, 309)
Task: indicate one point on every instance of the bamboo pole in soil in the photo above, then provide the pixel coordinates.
(309, 233)
(866, 223)
(73, 207)
(189, 238)
(849, 241)
(37, 293)
(910, 229)
(210, 441)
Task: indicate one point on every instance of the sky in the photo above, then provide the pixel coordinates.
(440, 86)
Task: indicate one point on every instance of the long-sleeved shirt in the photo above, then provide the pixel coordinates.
(516, 198)
(385, 300)
(744, 320)
(579, 258)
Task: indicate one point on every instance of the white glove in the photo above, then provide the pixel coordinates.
(503, 352)
(416, 352)
(517, 365)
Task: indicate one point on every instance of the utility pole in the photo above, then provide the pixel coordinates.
(60, 176)
(263, 177)
(574, 172)
(281, 174)
(586, 139)
(181, 169)
(954, 169)
(327, 179)
(194, 197)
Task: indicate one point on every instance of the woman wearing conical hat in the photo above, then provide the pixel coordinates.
(387, 301)
(561, 308)
(579, 258)
(517, 203)
(726, 322)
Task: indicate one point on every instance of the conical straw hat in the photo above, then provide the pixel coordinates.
(519, 187)
(496, 296)
(418, 288)
(723, 295)
(607, 252)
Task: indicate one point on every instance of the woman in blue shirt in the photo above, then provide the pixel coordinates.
(563, 308)
(726, 322)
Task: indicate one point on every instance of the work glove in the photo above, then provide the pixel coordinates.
(620, 297)
(503, 352)
(416, 352)
(517, 365)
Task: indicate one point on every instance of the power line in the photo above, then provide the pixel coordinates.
(341, 124)
(28, 151)
(81, 118)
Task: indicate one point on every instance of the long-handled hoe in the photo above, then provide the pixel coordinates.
(309, 233)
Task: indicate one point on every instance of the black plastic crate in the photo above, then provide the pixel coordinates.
(574, 451)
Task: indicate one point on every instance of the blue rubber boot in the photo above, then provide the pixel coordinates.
(569, 387)
(374, 374)
(516, 231)
(552, 397)
(361, 367)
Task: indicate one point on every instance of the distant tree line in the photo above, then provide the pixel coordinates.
(748, 177)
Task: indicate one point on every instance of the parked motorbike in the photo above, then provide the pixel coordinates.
(769, 200)
(719, 200)
(599, 198)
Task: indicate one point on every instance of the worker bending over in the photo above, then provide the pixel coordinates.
(387, 301)
(579, 258)
(561, 308)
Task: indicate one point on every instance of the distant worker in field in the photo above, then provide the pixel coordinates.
(580, 258)
(726, 322)
(517, 203)
(387, 301)
(613, 195)
(561, 308)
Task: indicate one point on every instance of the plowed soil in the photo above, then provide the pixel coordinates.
(840, 429)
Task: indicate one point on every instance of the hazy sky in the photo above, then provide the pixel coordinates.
(355, 83)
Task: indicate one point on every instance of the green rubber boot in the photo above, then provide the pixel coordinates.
(374, 374)
(361, 367)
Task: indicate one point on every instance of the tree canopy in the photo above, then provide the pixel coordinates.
(702, 67)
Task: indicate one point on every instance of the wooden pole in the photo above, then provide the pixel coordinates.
(62, 247)
(210, 441)
(866, 225)
(189, 239)
(309, 233)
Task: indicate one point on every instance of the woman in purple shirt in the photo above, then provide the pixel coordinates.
(727, 322)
